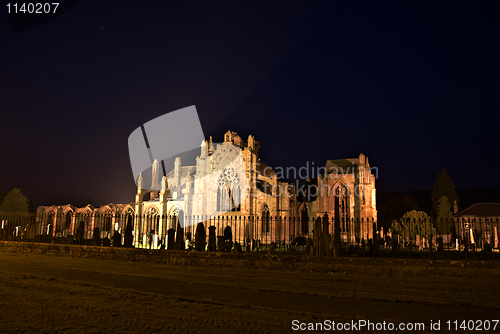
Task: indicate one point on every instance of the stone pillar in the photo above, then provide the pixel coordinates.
(58, 216)
(92, 224)
(73, 223)
(137, 231)
(212, 240)
(336, 236)
(496, 236)
(177, 169)
(113, 220)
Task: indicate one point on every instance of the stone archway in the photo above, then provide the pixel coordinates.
(49, 225)
(151, 227)
(67, 227)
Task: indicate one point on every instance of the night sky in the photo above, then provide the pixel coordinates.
(413, 85)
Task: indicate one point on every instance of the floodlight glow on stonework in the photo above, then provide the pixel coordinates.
(184, 182)
(163, 137)
(220, 170)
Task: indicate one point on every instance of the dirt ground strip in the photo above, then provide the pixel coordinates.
(43, 293)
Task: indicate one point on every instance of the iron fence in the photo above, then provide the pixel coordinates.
(471, 238)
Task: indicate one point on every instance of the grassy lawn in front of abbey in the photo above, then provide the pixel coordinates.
(43, 293)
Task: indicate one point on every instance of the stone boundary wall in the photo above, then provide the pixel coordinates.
(330, 265)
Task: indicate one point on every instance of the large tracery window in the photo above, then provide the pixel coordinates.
(228, 191)
(342, 208)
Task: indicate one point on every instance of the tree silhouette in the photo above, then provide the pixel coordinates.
(443, 186)
(444, 217)
(15, 201)
(2, 194)
(414, 223)
(395, 208)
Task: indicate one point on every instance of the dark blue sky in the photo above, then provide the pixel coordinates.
(413, 85)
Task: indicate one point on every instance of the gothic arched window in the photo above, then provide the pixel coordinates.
(67, 220)
(228, 191)
(304, 218)
(152, 220)
(108, 216)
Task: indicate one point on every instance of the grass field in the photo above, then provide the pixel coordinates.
(51, 294)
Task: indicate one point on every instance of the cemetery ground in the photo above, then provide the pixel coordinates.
(51, 294)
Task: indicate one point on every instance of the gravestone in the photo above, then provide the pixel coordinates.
(228, 239)
(228, 233)
(106, 242)
(96, 239)
(117, 239)
(129, 238)
(80, 234)
(179, 238)
(440, 244)
(237, 247)
(309, 243)
(212, 240)
(221, 243)
(170, 238)
(272, 249)
(487, 247)
(394, 242)
(200, 238)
